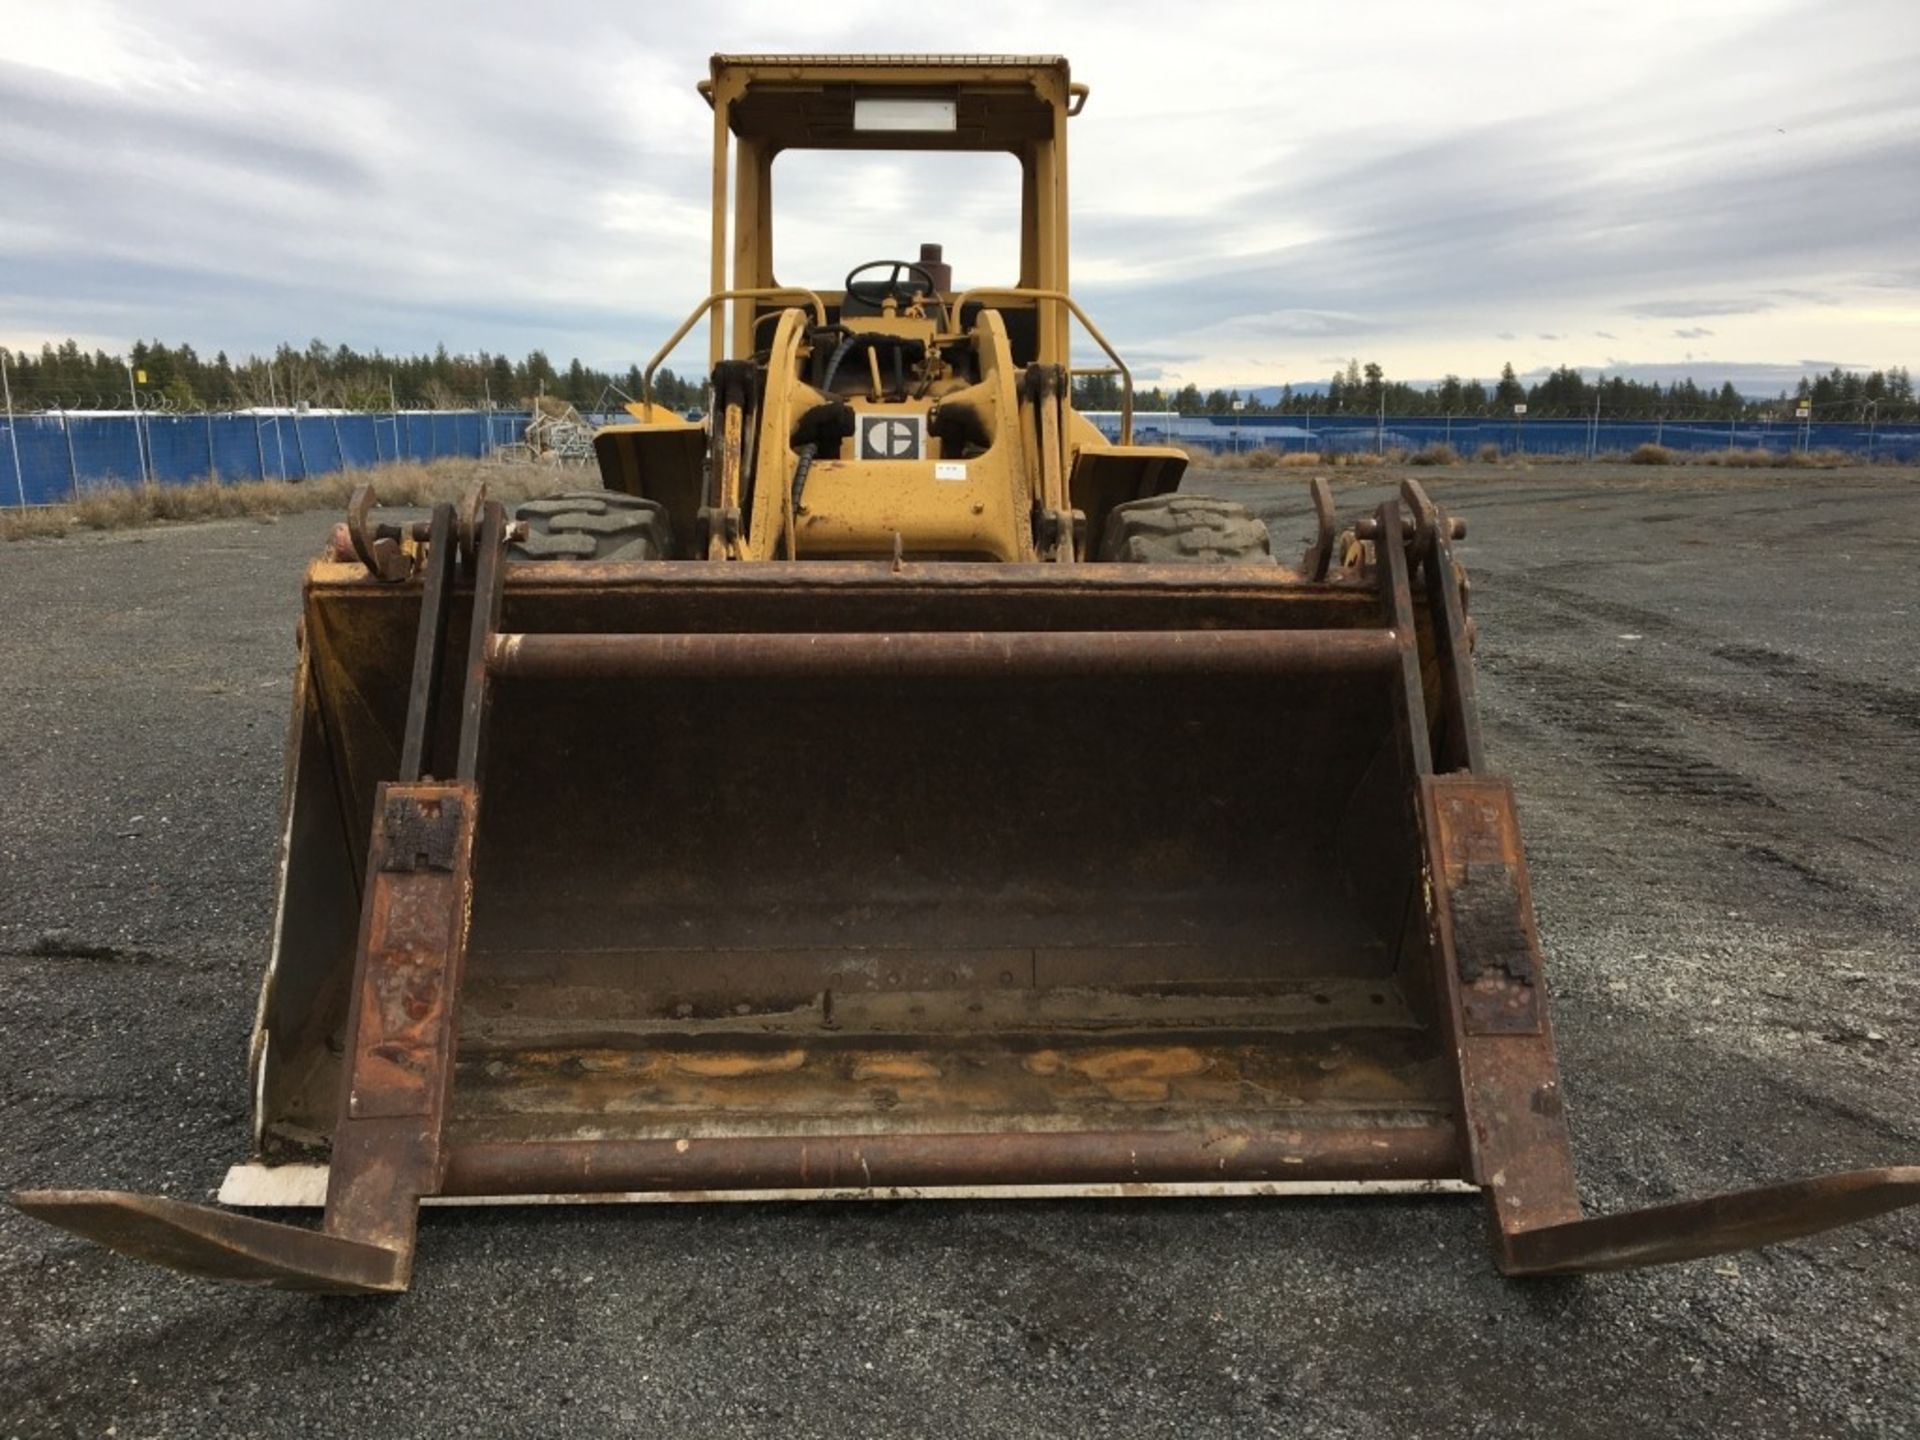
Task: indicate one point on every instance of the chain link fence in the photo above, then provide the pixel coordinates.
(1864, 438)
(53, 457)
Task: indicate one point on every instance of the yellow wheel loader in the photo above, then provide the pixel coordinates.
(887, 787)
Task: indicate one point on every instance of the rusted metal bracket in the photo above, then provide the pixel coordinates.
(1451, 731)
(412, 940)
(1694, 1229)
(218, 1244)
(1421, 510)
(376, 546)
(1319, 557)
(420, 839)
(1487, 925)
(718, 526)
(436, 600)
(1489, 976)
(729, 458)
(1060, 533)
(1059, 530)
(488, 596)
(1420, 521)
(389, 1141)
(1457, 729)
(1429, 520)
(1396, 602)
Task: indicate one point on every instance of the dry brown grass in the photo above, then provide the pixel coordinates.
(1824, 460)
(1304, 459)
(1762, 459)
(1249, 459)
(129, 507)
(1736, 459)
(47, 522)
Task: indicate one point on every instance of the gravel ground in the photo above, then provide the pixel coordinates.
(1703, 686)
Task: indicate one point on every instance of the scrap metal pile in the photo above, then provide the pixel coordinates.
(556, 435)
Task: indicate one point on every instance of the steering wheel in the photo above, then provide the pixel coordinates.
(872, 294)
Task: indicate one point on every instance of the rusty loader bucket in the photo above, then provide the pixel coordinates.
(849, 879)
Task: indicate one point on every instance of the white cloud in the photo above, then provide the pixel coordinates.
(1250, 191)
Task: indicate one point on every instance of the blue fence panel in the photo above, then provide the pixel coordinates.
(382, 438)
(1897, 444)
(313, 445)
(357, 441)
(1516, 435)
(43, 476)
(239, 449)
(122, 449)
(283, 438)
(270, 444)
(108, 450)
(62, 457)
(177, 452)
(469, 433)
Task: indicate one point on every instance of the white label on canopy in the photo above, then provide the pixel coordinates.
(876, 114)
(949, 470)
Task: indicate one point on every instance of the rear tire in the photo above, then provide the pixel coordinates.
(1185, 530)
(593, 525)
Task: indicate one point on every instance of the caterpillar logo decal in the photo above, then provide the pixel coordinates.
(893, 437)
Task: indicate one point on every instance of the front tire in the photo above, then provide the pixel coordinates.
(1185, 530)
(593, 525)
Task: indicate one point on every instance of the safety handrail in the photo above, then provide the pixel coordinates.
(1018, 292)
(758, 292)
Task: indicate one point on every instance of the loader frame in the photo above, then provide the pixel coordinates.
(761, 106)
(1045, 480)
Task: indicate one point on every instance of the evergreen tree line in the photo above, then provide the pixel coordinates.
(178, 378)
(1366, 390)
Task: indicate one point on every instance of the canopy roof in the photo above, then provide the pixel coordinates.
(1002, 102)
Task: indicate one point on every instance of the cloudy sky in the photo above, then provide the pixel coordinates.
(1260, 191)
